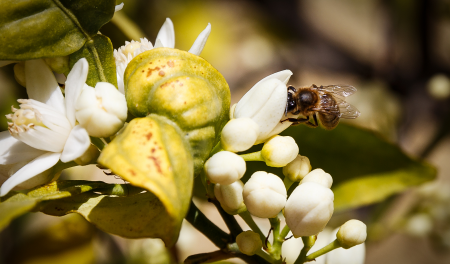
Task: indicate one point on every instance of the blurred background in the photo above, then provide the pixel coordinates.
(397, 54)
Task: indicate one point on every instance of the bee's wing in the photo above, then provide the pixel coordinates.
(348, 111)
(340, 90)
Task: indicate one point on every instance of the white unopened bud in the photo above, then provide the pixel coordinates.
(279, 151)
(101, 111)
(264, 194)
(239, 134)
(297, 169)
(352, 233)
(308, 209)
(420, 225)
(225, 167)
(354, 255)
(318, 176)
(230, 196)
(265, 103)
(248, 242)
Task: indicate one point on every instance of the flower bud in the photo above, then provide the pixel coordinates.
(297, 169)
(264, 194)
(318, 176)
(102, 111)
(248, 242)
(419, 225)
(308, 209)
(225, 167)
(239, 134)
(230, 196)
(265, 103)
(354, 255)
(89, 157)
(352, 233)
(279, 151)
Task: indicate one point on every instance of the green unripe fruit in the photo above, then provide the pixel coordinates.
(184, 88)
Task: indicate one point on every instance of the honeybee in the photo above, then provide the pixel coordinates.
(325, 103)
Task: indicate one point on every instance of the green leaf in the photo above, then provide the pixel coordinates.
(136, 216)
(16, 204)
(98, 51)
(49, 28)
(365, 168)
(152, 153)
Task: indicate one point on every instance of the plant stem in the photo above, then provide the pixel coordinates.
(230, 221)
(333, 245)
(216, 149)
(275, 251)
(265, 256)
(255, 156)
(98, 143)
(287, 183)
(308, 243)
(284, 232)
(206, 227)
(251, 223)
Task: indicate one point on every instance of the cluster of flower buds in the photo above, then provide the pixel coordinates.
(257, 119)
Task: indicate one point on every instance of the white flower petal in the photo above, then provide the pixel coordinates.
(166, 34)
(42, 138)
(33, 168)
(257, 89)
(200, 42)
(74, 83)
(266, 106)
(50, 116)
(158, 44)
(76, 145)
(118, 7)
(41, 178)
(14, 151)
(42, 85)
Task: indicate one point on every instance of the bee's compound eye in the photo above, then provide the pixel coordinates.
(306, 98)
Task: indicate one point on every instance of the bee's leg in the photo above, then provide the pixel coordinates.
(316, 124)
(299, 121)
(292, 89)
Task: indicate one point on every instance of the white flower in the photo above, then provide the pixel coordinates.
(165, 38)
(264, 194)
(318, 176)
(44, 129)
(248, 242)
(225, 167)
(101, 111)
(278, 151)
(265, 103)
(352, 233)
(354, 255)
(230, 196)
(239, 134)
(308, 209)
(297, 169)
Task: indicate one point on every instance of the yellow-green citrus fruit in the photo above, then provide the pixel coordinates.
(186, 89)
